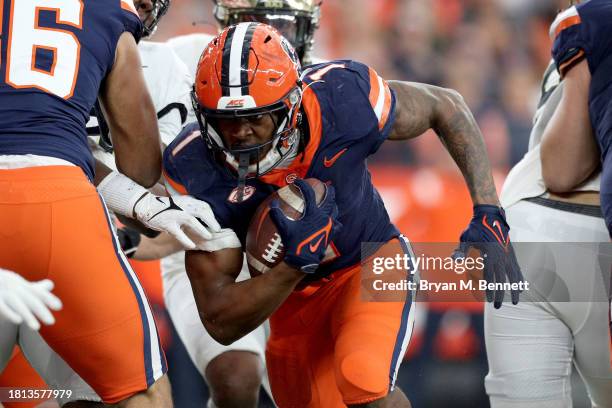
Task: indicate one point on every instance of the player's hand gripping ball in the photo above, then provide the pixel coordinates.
(294, 224)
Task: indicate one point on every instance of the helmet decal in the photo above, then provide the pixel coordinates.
(235, 64)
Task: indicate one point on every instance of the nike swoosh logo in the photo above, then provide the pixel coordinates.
(501, 233)
(330, 162)
(324, 232)
(504, 241)
(313, 248)
(172, 206)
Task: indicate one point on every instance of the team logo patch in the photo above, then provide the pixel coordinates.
(291, 178)
(235, 103)
(247, 193)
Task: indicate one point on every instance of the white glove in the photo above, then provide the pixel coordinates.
(225, 238)
(25, 301)
(189, 220)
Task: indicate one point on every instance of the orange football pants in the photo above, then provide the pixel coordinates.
(54, 225)
(329, 348)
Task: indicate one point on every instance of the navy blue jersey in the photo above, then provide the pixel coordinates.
(53, 56)
(585, 31)
(350, 111)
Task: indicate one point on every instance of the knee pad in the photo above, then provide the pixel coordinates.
(361, 377)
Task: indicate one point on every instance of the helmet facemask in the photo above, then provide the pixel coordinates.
(247, 71)
(254, 161)
(160, 7)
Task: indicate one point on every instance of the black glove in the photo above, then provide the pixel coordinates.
(488, 232)
(305, 240)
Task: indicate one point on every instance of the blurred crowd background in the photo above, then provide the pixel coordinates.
(494, 53)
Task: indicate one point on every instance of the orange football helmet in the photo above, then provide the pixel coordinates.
(249, 70)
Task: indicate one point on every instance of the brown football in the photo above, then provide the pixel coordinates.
(264, 247)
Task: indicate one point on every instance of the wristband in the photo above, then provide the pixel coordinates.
(121, 193)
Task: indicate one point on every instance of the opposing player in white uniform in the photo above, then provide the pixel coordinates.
(564, 317)
(234, 372)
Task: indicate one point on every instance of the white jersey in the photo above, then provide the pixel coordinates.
(525, 179)
(169, 84)
(189, 48)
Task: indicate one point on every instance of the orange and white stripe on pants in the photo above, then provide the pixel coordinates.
(55, 225)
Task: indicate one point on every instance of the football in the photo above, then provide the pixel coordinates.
(264, 247)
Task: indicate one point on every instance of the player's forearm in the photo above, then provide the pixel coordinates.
(235, 309)
(458, 130)
(159, 247)
(131, 116)
(143, 167)
(102, 170)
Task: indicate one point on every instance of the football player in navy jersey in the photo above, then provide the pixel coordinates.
(232, 372)
(580, 132)
(56, 58)
(263, 124)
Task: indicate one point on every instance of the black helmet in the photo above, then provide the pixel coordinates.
(296, 20)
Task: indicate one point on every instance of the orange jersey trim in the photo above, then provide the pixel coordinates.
(380, 98)
(174, 184)
(301, 164)
(566, 23)
(564, 67)
(386, 107)
(374, 87)
(129, 6)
